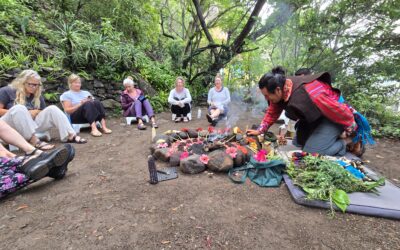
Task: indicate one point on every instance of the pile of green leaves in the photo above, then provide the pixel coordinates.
(326, 180)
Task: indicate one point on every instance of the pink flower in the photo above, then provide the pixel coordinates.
(162, 145)
(261, 156)
(204, 159)
(232, 151)
(184, 155)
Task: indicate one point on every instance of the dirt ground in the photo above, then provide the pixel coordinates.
(105, 202)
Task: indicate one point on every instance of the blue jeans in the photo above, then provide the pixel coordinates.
(325, 140)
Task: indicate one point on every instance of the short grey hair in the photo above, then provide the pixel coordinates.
(128, 82)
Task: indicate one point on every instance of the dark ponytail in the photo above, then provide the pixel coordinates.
(273, 80)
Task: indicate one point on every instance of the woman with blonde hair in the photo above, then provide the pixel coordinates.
(180, 99)
(23, 108)
(218, 100)
(83, 108)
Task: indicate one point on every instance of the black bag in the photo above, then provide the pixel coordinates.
(142, 98)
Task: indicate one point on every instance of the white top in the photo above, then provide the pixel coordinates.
(220, 99)
(183, 96)
(74, 97)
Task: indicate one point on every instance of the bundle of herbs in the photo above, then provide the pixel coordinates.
(326, 180)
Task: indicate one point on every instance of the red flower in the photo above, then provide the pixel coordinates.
(211, 129)
(184, 155)
(261, 156)
(232, 151)
(204, 159)
(184, 129)
(199, 129)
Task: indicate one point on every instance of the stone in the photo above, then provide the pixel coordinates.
(110, 104)
(240, 159)
(219, 161)
(192, 133)
(192, 165)
(183, 135)
(197, 149)
(174, 159)
(166, 138)
(98, 84)
(161, 154)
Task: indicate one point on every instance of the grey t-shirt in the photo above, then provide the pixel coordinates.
(74, 97)
(8, 95)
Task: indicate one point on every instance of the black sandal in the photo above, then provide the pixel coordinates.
(41, 145)
(39, 167)
(77, 141)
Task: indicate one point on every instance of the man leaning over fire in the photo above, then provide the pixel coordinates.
(325, 125)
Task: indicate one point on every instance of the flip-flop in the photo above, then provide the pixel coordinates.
(41, 145)
(96, 134)
(77, 139)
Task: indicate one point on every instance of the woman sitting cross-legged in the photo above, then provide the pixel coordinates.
(82, 107)
(180, 99)
(23, 108)
(134, 103)
(218, 99)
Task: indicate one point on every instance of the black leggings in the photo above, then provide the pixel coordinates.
(89, 112)
(175, 109)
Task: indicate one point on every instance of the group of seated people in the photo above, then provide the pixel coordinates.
(134, 103)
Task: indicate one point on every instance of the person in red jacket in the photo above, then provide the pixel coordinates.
(314, 103)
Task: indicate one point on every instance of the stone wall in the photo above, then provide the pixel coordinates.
(108, 92)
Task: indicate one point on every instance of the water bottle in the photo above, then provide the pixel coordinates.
(199, 113)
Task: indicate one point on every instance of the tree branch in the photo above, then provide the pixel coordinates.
(202, 21)
(238, 42)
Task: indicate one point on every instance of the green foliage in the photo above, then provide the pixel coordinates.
(326, 180)
(52, 97)
(7, 62)
(159, 102)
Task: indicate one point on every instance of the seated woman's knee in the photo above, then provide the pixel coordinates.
(19, 108)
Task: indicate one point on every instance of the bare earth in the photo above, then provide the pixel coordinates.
(105, 202)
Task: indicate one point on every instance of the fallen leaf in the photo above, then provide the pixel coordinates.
(109, 230)
(22, 207)
(192, 217)
(380, 157)
(165, 242)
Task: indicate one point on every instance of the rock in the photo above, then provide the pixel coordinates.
(174, 160)
(219, 161)
(192, 165)
(110, 104)
(198, 149)
(45, 46)
(98, 84)
(159, 137)
(183, 135)
(161, 154)
(240, 159)
(192, 133)
(47, 69)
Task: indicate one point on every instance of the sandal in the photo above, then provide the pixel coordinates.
(41, 145)
(96, 133)
(177, 119)
(38, 167)
(185, 119)
(77, 139)
(141, 126)
(154, 125)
